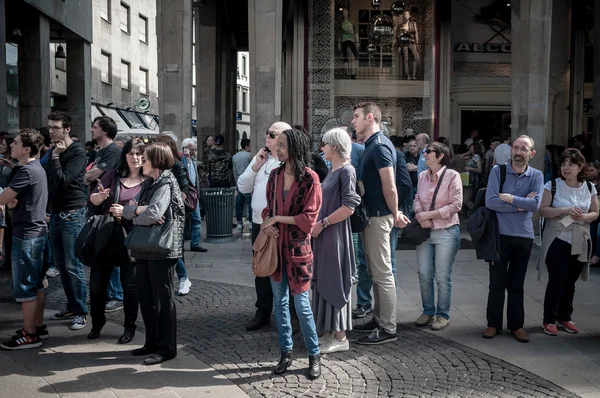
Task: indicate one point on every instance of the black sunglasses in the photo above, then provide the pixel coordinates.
(271, 134)
(428, 151)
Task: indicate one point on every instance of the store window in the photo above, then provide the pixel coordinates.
(105, 67)
(382, 54)
(125, 17)
(125, 75)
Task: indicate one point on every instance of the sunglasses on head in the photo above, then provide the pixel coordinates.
(428, 151)
(271, 134)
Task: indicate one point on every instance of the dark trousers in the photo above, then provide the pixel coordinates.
(264, 292)
(508, 275)
(563, 272)
(155, 290)
(99, 279)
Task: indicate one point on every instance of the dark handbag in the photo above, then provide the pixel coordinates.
(359, 220)
(100, 242)
(191, 198)
(414, 233)
(152, 241)
(264, 261)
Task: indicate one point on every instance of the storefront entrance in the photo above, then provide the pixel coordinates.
(489, 123)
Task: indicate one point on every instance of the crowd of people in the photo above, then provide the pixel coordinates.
(336, 216)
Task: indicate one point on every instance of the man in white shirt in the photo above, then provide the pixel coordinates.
(254, 181)
(502, 151)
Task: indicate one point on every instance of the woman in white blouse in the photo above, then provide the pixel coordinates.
(569, 205)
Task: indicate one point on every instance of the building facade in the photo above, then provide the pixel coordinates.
(242, 115)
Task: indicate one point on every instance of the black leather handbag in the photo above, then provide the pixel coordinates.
(414, 233)
(359, 220)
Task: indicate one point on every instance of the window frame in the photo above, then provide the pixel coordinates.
(146, 74)
(108, 12)
(109, 72)
(145, 24)
(128, 64)
(128, 8)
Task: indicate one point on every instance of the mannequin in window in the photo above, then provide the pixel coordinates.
(348, 42)
(407, 39)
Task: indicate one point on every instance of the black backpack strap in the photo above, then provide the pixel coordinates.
(589, 185)
(502, 177)
(552, 190)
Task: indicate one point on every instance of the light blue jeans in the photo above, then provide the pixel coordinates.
(363, 287)
(435, 257)
(196, 227)
(114, 291)
(180, 268)
(281, 301)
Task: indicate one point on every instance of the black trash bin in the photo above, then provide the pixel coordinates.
(218, 205)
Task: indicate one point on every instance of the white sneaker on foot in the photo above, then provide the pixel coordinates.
(184, 286)
(334, 345)
(325, 338)
(440, 323)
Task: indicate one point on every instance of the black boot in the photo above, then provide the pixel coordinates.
(285, 362)
(314, 367)
(257, 322)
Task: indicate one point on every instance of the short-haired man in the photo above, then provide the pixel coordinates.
(502, 151)
(67, 196)
(422, 141)
(241, 160)
(514, 205)
(104, 130)
(28, 195)
(381, 200)
(488, 160)
(189, 148)
(254, 181)
(219, 165)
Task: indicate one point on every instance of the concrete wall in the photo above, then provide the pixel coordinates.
(110, 38)
(73, 14)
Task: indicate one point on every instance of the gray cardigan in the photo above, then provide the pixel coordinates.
(581, 246)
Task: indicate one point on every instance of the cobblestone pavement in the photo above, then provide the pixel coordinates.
(211, 323)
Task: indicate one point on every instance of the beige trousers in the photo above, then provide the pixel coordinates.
(376, 242)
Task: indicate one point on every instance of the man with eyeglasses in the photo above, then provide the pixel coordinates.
(67, 197)
(514, 203)
(254, 181)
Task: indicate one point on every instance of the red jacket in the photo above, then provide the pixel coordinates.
(303, 202)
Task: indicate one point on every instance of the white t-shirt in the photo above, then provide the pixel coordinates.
(566, 196)
(502, 154)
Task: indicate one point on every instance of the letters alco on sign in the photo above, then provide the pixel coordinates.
(483, 48)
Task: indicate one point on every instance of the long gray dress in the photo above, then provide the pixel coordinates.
(334, 255)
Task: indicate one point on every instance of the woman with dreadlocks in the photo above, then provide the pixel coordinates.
(290, 218)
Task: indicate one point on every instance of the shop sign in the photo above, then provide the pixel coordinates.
(465, 47)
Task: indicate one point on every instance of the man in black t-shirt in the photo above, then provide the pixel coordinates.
(27, 194)
(104, 130)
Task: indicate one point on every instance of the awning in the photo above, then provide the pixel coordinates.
(128, 121)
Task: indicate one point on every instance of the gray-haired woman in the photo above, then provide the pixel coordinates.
(332, 245)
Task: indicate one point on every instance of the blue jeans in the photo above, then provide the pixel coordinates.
(27, 267)
(114, 291)
(180, 268)
(48, 261)
(363, 288)
(281, 302)
(64, 230)
(435, 257)
(240, 200)
(196, 227)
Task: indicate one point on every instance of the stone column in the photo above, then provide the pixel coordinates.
(3, 85)
(206, 70)
(265, 34)
(174, 24)
(577, 68)
(596, 100)
(531, 27)
(79, 86)
(34, 71)
(445, 64)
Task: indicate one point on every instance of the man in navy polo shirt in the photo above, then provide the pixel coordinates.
(381, 200)
(521, 196)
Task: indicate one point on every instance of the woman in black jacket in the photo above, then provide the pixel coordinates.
(180, 173)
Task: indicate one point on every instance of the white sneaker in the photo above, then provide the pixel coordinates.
(52, 272)
(334, 345)
(325, 338)
(184, 286)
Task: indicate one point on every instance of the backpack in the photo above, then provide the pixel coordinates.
(553, 192)
(480, 196)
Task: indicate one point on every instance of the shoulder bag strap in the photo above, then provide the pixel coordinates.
(552, 190)
(437, 188)
(502, 177)
(274, 211)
